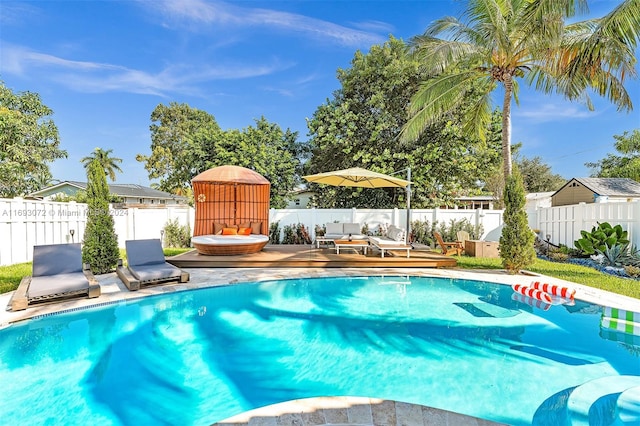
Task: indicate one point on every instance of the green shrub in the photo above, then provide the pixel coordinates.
(274, 233)
(516, 242)
(601, 237)
(100, 245)
(421, 232)
(558, 256)
(632, 271)
(176, 235)
(295, 234)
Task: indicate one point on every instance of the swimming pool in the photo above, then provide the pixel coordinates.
(199, 356)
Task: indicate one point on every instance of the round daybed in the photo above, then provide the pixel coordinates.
(224, 245)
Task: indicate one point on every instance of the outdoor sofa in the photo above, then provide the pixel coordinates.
(147, 265)
(58, 273)
(338, 231)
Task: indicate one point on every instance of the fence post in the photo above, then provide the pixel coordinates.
(312, 231)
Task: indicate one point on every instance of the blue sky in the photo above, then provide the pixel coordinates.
(103, 66)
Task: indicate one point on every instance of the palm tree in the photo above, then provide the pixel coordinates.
(502, 41)
(110, 164)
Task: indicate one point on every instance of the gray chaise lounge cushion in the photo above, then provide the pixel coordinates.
(147, 263)
(56, 259)
(57, 269)
(57, 284)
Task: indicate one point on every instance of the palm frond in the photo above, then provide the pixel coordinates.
(478, 116)
(433, 99)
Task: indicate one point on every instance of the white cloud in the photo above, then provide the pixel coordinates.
(220, 13)
(94, 77)
(554, 112)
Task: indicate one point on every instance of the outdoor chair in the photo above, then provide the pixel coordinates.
(463, 237)
(147, 265)
(448, 247)
(58, 273)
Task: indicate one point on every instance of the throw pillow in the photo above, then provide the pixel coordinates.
(244, 231)
(217, 228)
(256, 228)
(229, 231)
(245, 225)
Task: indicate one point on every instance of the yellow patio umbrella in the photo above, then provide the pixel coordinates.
(364, 178)
(358, 177)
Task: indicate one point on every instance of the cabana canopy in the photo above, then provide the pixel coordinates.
(230, 195)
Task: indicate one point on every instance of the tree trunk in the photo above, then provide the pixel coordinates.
(506, 126)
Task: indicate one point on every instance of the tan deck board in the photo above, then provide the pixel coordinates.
(308, 256)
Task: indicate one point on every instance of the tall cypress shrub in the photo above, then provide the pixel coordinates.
(100, 245)
(516, 242)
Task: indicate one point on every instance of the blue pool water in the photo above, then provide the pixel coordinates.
(196, 357)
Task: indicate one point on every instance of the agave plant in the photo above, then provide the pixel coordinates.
(601, 238)
(614, 256)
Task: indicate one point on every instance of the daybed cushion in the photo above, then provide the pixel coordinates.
(351, 228)
(334, 228)
(54, 284)
(256, 228)
(144, 252)
(155, 272)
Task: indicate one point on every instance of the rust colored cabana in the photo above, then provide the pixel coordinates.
(233, 196)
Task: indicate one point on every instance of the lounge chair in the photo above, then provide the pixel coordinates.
(463, 237)
(448, 247)
(58, 273)
(394, 240)
(146, 265)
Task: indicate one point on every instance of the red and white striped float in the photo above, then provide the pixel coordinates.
(554, 289)
(532, 293)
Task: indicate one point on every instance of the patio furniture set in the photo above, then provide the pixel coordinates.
(348, 235)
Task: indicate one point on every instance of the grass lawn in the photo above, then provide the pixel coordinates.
(10, 276)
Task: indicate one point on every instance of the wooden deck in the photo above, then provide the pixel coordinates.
(308, 256)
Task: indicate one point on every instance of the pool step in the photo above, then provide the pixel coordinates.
(600, 393)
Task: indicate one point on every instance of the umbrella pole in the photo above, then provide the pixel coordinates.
(406, 238)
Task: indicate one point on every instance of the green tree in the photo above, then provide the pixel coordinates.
(181, 137)
(100, 242)
(108, 163)
(537, 176)
(626, 165)
(28, 142)
(500, 41)
(186, 142)
(359, 127)
(516, 242)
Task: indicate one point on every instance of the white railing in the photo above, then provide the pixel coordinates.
(564, 223)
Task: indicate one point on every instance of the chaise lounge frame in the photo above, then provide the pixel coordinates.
(152, 257)
(20, 300)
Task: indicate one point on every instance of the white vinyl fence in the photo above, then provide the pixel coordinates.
(25, 223)
(564, 223)
(489, 219)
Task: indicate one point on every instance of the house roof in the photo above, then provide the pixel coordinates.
(611, 187)
(121, 190)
